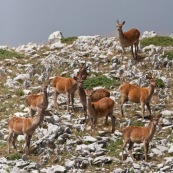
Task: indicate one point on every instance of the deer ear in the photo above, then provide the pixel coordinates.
(123, 23)
(117, 22)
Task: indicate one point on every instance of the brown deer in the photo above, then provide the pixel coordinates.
(137, 94)
(128, 38)
(66, 86)
(99, 109)
(37, 101)
(136, 134)
(96, 95)
(24, 126)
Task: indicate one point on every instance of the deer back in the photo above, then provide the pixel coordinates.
(99, 94)
(132, 35)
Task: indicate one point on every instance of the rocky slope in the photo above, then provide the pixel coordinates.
(64, 144)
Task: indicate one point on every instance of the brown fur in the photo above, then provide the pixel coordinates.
(66, 86)
(128, 38)
(136, 134)
(137, 94)
(102, 108)
(24, 126)
(35, 101)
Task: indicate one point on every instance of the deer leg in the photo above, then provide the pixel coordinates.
(68, 102)
(130, 150)
(132, 51)
(72, 101)
(14, 141)
(148, 106)
(28, 144)
(9, 139)
(146, 146)
(55, 99)
(123, 147)
(123, 99)
(106, 121)
(113, 119)
(143, 109)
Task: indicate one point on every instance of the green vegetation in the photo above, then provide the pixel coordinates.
(19, 92)
(169, 54)
(160, 83)
(68, 40)
(157, 41)
(103, 81)
(15, 156)
(114, 147)
(9, 54)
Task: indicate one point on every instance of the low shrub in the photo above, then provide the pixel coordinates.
(9, 54)
(68, 40)
(160, 83)
(103, 81)
(157, 41)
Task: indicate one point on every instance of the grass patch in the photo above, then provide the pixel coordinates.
(160, 83)
(19, 92)
(114, 148)
(15, 156)
(169, 54)
(103, 81)
(157, 41)
(5, 54)
(68, 40)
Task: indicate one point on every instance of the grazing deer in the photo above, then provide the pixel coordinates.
(37, 101)
(137, 134)
(97, 94)
(128, 38)
(137, 94)
(24, 126)
(66, 86)
(101, 108)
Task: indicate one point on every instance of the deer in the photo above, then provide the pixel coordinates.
(24, 126)
(66, 86)
(102, 108)
(96, 94)
(37, 101)
(128, 38)
(136, 94)
(138, 134)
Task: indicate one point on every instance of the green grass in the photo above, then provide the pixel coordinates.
(15, 156)
(5, 54)
(169, 54)
(68, 40)
(103, 81)
(160, 83)
(157, 41)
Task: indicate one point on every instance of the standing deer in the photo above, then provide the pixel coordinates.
(98, 109)
(137, 94)
(24, 126)
(128, 38)
(66, 86)
(136, 134)
(37, 101)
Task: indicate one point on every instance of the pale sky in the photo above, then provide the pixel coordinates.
(24, 21)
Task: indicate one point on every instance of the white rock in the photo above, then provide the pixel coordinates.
(55, 37)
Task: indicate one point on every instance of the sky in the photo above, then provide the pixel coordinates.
(24, 21)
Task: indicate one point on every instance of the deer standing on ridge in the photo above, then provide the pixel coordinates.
(137, 134)
(128, 38)
(27, 126)
(37, 101)
(99, 109)
(137, 94)
(66, 86)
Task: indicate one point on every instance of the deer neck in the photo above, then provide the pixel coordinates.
(89, 106)
(121, 35)
(151, 90)
(45, 100)
(82, 94)
(152, 130)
